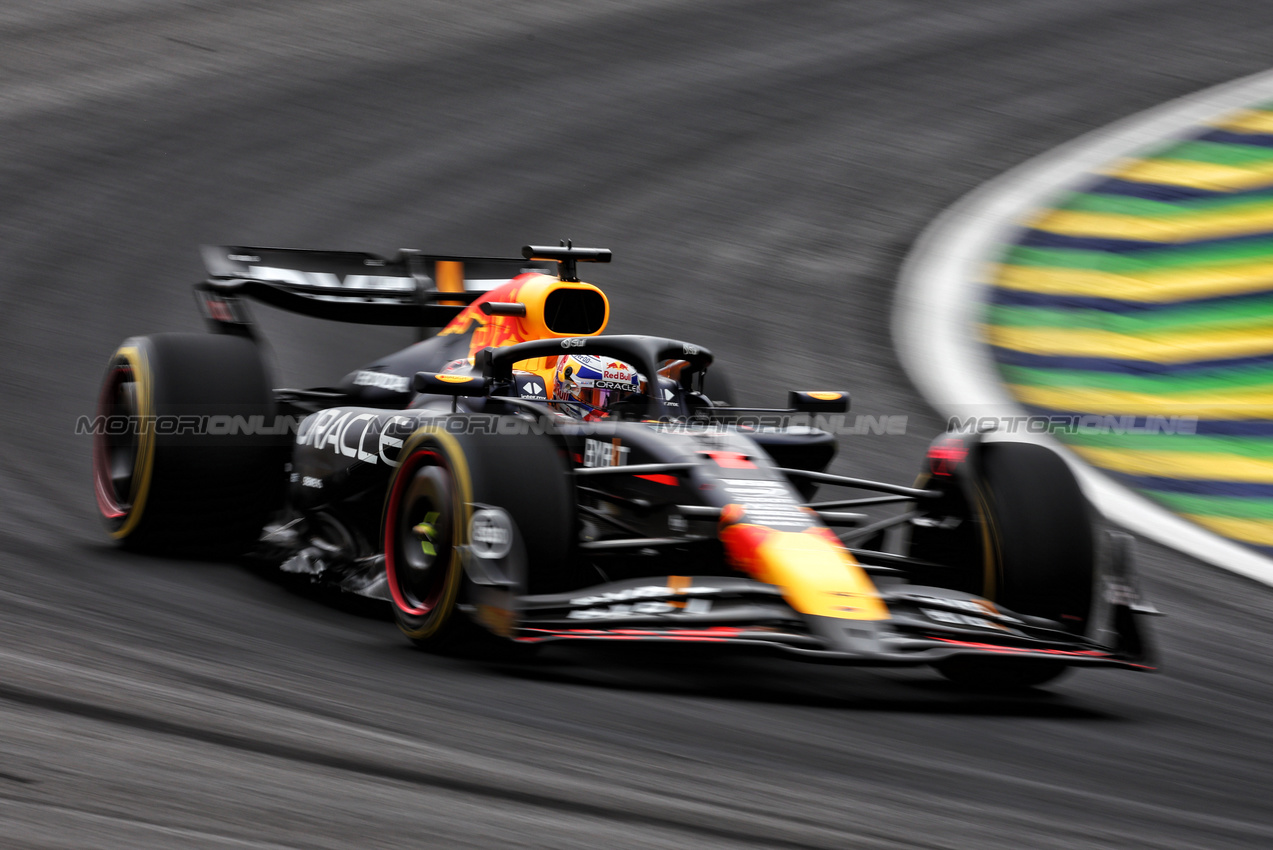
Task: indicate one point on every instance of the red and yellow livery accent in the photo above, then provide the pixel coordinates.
(531, 290)
(817, 574)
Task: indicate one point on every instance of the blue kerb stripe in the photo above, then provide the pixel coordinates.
(1011, 357)
(1021, 298)
(1197, 488)
(1044, 239)
(1228, 137)
(1168, 194)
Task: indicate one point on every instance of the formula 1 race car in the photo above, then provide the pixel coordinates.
(520, 475)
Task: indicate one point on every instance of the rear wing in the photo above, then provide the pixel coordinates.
(411, 290)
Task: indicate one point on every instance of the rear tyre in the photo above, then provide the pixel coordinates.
(445, 470)
(173, 469)
(1040, 556)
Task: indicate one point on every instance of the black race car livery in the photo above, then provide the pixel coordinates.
(455, 480)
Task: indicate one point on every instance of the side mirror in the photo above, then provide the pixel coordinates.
(818, 402)
(439, 383)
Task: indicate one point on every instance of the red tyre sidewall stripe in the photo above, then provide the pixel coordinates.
(103, 486)
(408, 468)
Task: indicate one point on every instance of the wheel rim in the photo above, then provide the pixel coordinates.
(116, 445)
(420, 534)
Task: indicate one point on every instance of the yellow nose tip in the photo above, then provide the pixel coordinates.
(817, 576)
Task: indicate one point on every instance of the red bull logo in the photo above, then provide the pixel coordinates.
(616, 371)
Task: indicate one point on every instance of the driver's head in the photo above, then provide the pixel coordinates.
(587, 386)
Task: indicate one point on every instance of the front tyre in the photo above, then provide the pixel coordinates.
(448, 471)
(426, 518)
(1040, 557)
(1042, 533)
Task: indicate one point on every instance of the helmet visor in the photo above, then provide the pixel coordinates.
(595, 398)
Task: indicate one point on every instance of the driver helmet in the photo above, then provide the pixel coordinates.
(587, 386)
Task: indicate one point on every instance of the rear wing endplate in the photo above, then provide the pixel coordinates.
(411, 290)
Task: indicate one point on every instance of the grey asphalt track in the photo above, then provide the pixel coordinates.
(759, 169)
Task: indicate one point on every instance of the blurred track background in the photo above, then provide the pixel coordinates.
(759, 169)
(1143, 292)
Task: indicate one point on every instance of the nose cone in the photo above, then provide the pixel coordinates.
(817, 575)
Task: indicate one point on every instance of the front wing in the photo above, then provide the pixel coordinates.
(925, 625)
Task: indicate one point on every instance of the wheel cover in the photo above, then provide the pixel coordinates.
(420, 532)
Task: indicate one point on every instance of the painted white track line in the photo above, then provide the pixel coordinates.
(940, 289)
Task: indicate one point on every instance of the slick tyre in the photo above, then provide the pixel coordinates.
(174, 470)
(1042, 537)
(1040, 555)
(445, 470)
